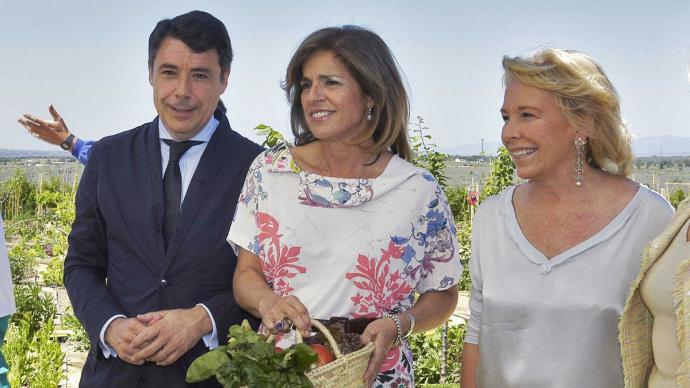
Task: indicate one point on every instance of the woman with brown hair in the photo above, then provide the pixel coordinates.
(341, 224)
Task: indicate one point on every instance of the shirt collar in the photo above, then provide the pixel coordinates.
(204, 135)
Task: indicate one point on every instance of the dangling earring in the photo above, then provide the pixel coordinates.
(369, 115)
(579, 145)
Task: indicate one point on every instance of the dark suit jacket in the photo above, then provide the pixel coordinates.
(116, 262)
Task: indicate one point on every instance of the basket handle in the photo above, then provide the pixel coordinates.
(326, 333)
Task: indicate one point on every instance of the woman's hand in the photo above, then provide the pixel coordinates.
(383, 333)
(468, 366)
(253, 294)
(275, 308)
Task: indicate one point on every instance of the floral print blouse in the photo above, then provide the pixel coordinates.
(349, 247)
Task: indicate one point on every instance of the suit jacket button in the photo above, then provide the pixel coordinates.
(164, 283)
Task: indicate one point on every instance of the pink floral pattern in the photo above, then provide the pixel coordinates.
(382, 288)
(348, 247)
(279, 263)
(391, 359)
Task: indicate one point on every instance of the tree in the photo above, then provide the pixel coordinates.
(425, 154)
(677, 197)
(501, 174)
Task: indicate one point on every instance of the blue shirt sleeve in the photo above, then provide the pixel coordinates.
(81, 150)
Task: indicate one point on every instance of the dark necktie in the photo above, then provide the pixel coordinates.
(172, 184)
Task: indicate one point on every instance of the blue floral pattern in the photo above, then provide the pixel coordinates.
(349, 247)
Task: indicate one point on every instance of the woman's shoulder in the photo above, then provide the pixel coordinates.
(280, 149)
(276, 159)
(495, 207)
(632, 199)
(654, 203)
(401, 168)
(498, 200)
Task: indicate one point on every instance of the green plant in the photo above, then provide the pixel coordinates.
(427, 349)
(465, 250)
(677, 197)
(78, 337)
(43, 236)
(22, 259)
(35, 358)
(457, 199)
(425, 154)
(501, 174)
(17, 196)
(38, 218)
(53, 275)
(272, 137)
(249, 359)
(33, 307)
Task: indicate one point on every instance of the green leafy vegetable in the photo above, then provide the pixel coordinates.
(206, 365)
(250, 360)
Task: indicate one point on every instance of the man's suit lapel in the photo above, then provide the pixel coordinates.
(211, 161)
(153, 155)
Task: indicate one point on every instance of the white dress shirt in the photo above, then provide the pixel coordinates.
(188, 163)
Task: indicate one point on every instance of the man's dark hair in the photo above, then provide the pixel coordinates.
(199, 30)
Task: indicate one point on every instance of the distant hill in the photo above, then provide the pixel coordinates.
(662, 146)
(5, 153)
(490, 148)
(648, 146)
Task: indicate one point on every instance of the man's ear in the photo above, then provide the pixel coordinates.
(224, 78)
(150, 76)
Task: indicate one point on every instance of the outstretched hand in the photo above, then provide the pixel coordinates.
(53, 132)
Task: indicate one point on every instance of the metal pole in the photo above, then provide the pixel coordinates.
(444, 352)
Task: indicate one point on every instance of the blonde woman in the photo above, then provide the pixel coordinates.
(553, 258)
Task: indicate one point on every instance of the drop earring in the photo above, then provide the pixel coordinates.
(369, 115)
(579, 145)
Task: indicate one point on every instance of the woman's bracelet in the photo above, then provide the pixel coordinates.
(412, 320)
(398, 328)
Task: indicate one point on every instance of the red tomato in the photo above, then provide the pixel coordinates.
(324, 355)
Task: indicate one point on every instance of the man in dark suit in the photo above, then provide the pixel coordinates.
(148, 271)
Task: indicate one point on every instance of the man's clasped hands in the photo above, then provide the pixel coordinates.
(161, 336)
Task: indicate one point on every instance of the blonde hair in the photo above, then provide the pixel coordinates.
(586, 97)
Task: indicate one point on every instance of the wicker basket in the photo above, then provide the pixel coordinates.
(346, 370)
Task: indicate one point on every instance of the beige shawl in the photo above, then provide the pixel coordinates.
(635, 327)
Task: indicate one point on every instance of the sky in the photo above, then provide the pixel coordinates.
(89, 58)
